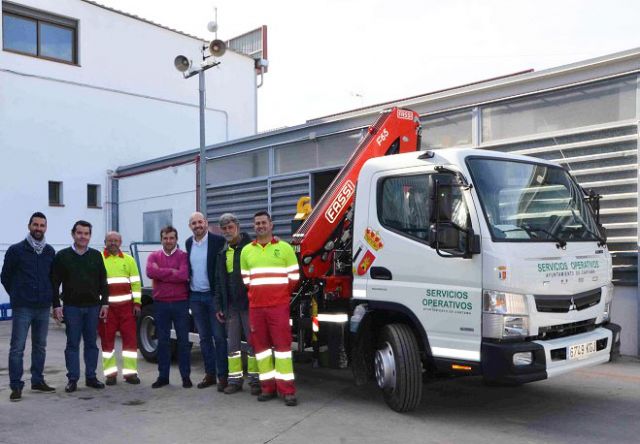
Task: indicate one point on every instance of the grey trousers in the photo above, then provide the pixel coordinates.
(237, 322)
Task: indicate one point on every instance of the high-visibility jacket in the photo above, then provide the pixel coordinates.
(123, 278)
(270, 272)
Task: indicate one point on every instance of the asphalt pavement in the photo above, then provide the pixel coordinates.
(596, 405)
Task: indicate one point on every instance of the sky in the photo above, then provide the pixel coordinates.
(331, 56)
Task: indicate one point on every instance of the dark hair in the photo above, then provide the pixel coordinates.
(263, 213)
(168, 229)
(82, 223)
(37, 214)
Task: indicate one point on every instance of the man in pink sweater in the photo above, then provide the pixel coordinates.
(169, 269)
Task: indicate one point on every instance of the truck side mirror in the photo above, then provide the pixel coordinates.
(444, 237)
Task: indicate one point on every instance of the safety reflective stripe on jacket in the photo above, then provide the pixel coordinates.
(123, 278)
(270, 272)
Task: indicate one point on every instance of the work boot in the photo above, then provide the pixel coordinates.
(255, 389)
(186, 383)
(111, 380)
(290, 400)
(42, 387)
(94, 383)
(16, 395)
(232, 388)
(222, 384)
(207, 381)
(267, 396)
(160, 383)
(132, 379)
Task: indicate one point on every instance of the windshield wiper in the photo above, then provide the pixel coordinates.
(601, 240)
(561, 243)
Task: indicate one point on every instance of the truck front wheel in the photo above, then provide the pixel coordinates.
(398, 368)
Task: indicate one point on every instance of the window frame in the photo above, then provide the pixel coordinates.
(98, 201)
(379, 197)
(60, 202)
(42, 17)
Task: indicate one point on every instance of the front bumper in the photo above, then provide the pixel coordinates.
(550, 357)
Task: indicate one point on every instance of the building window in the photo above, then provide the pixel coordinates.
(55, 193)
(39, 34)
(93, 196)
(153, 222)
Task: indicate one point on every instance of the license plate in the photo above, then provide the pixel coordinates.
(582, 351)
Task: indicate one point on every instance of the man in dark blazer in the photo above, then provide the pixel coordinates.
(203, 248)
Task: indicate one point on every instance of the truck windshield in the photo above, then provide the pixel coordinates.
(529, 202)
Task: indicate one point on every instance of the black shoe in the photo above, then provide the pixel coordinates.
(290, 400)
(160, 383)
(207, 381)
(42, 387)
(111, 380)
(71, 387)
(232, 388)
(94, 383)
(186, 383)
(222, 384)
(132, 379)
(16, 395)
(256, 389)
(267, 396)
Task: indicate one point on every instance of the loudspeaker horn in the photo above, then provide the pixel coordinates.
(217, 48)
(182, 63)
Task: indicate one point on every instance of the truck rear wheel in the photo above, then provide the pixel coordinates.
(147, 341)
(398, 368)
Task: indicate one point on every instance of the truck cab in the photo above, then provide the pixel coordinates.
(469, 262)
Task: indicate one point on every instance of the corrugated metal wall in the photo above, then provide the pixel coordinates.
(276, 195)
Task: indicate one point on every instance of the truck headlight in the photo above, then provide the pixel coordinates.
(607, 293)
(504, 315)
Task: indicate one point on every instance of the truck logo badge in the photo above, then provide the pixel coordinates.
(365, 263)
(373, 238)
(405, 114)
(572, 305)
(340, 201)
(502, 272)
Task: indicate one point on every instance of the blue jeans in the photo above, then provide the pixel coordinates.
(38, 320)
(81, 322)
(165, 314)
(211, 332)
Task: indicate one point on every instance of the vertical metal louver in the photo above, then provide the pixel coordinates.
(284, 194)
(243, 200)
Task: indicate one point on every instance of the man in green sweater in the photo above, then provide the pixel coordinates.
(85, 295)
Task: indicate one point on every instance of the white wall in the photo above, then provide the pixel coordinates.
(123, 104)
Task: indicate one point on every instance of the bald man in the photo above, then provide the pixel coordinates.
(125, 296)
(203, 248)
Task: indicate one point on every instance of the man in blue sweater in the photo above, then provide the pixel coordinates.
(26, 277)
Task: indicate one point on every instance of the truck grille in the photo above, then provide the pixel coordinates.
(573, 328)
(562, 304)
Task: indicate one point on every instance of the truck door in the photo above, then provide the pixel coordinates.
(401, 267)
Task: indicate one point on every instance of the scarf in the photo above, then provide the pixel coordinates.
(37, 245)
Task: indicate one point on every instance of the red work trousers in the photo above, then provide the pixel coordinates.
(120, 318)
(270, 329)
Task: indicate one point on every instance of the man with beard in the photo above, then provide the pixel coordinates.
(202, 249)
(270, 271)
(26, 278)
(233, 304)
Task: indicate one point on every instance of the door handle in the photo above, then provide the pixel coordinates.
(380, 273)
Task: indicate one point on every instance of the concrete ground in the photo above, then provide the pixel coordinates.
(596, 405)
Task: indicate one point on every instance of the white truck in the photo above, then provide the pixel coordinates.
(453, 262)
